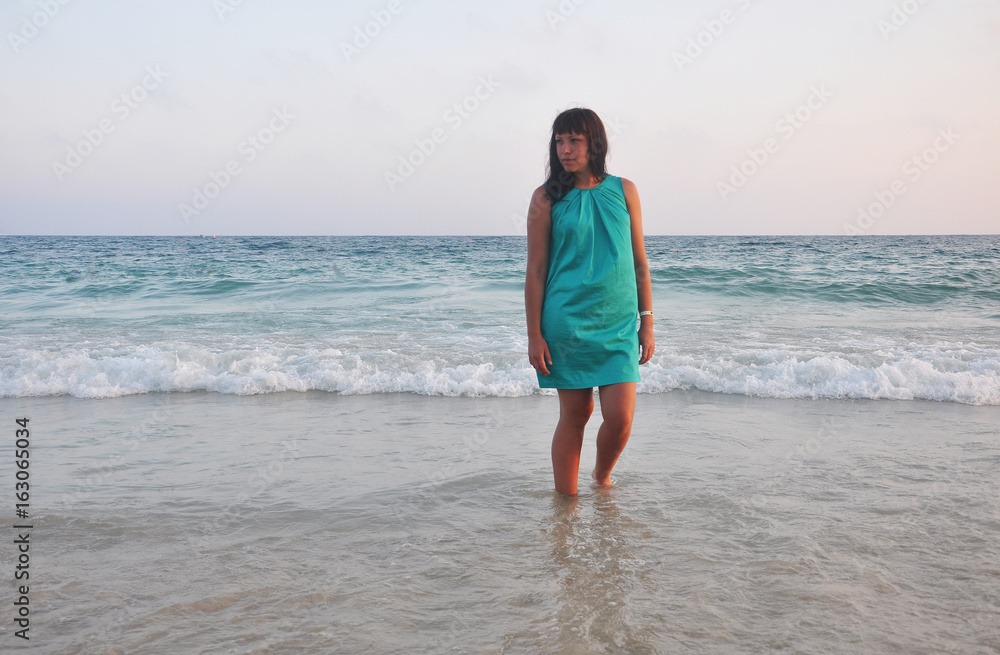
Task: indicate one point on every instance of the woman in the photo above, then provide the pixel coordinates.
(586, 280)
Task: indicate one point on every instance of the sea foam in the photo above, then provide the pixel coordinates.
(943, 372)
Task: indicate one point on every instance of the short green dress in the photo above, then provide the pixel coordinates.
(590, 307)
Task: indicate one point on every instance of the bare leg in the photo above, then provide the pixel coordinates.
(617, 409)
(575, 408)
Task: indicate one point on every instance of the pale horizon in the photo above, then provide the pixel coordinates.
(738, 118)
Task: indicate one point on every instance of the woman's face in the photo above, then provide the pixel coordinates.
(572, 151)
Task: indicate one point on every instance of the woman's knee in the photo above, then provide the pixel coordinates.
(618, 420)
(618, 407)
(577, 410)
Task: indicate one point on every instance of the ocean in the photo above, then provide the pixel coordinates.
(791, 317)
(337, 445)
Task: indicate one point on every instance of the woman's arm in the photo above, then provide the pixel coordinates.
(643, 284)
(539, 232)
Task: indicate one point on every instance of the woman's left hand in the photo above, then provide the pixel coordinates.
(647, 342)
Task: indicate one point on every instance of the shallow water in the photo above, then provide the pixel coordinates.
(320, 523)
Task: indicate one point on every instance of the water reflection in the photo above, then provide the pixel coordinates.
(594, 560)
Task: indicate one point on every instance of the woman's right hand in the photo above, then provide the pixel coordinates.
(539, 355)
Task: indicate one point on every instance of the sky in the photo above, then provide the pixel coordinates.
(433, 116)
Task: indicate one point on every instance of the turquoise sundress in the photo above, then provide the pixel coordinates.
(590, 307)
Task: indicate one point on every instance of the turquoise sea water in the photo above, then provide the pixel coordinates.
(789, 317)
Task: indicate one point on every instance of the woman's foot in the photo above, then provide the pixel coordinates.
(602, 483)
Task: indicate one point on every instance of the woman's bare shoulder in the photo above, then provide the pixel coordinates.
(630, 191)
(540, 197)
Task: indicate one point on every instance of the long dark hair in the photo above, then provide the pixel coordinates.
(575, 121)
